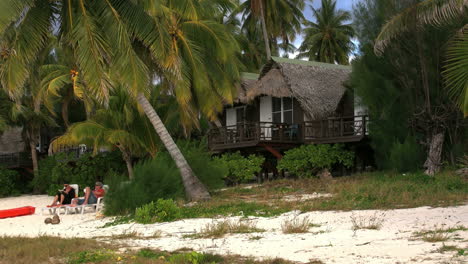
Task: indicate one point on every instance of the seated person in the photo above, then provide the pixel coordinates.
(91, 197)
(64, 196)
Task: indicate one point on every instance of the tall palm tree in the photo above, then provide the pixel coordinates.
(328, 39)
(105, 37)
(277, 19)
(437, 13)
(117, 126)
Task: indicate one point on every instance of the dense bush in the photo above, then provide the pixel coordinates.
(84, 171)
(161, 211)
(240, 169)
(406, 156)
(8, 179)
(307, 160)
(159, 178)
(43, 181)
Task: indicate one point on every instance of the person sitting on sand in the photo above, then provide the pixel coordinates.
(91, 197)
(64, 196)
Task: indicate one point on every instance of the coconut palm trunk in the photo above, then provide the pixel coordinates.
(264, 30)
(193, 186)
(434, 155)
(32, 145)
(128, 161)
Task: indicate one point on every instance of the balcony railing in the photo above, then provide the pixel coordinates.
(15, 160)
(331, 130)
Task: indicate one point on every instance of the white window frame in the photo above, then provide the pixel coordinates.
(282, 109)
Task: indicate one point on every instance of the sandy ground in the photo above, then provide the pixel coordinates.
(333, 241)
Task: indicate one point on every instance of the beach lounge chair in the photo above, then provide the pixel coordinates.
(96, 207)
(57, 210)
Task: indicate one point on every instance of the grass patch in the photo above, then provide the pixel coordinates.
(216, 208)
(45, 248)
(20, 250)
(296, 225)
(374, 222)
(221, 228)
(438, 234)
(383, 190)
(377, 190)
(448, 248)
(119, 220)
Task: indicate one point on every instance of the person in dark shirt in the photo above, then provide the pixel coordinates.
(64, 196)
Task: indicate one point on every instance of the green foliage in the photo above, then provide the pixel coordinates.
(209, 172)
(161, 211)
(42, 182)
(240, 169)
(159, 178)
(194, 258)
(406, 156)
(84, 171)
(409, 67)
(8, 179)
(91, 256)
(382, 190)
(307, 160)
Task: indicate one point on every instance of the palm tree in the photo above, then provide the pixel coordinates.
(276, 18)
(117, 126)
(61, 80)
(105, 38)
(328, 39)
(437, 13)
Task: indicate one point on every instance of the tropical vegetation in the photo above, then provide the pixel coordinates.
(129, 79)
(329, 38)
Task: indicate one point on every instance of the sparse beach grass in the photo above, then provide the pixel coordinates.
(438, 234)
(220, 228)
(46, 249)
(296, 225)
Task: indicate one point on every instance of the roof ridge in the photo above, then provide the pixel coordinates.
(311, 63)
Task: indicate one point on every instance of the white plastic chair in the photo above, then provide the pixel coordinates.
(53, 210)
(97, 206)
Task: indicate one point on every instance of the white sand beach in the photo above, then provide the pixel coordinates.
(333, 241)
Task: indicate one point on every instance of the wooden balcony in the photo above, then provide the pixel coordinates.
(15, 160)
(251, 134)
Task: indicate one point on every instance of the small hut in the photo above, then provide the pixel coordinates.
(290, 102)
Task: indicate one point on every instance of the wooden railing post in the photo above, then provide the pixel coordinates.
(258, 132)
(341, 127)
(363, 124)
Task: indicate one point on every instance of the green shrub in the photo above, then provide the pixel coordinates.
(240, 169)
(159, 178)
(307, 160)
(8, 179)
(42, 182)
(161, 211)
(84, 171)
(406, 156)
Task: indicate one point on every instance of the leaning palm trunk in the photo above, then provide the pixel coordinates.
(265, 34)
(193, 186)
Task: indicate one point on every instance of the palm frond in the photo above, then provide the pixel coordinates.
(429, 12)
(456, 70)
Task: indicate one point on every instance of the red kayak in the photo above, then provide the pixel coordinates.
(27, 210)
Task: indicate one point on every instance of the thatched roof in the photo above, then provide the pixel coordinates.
(319, 87)
(247, 80)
